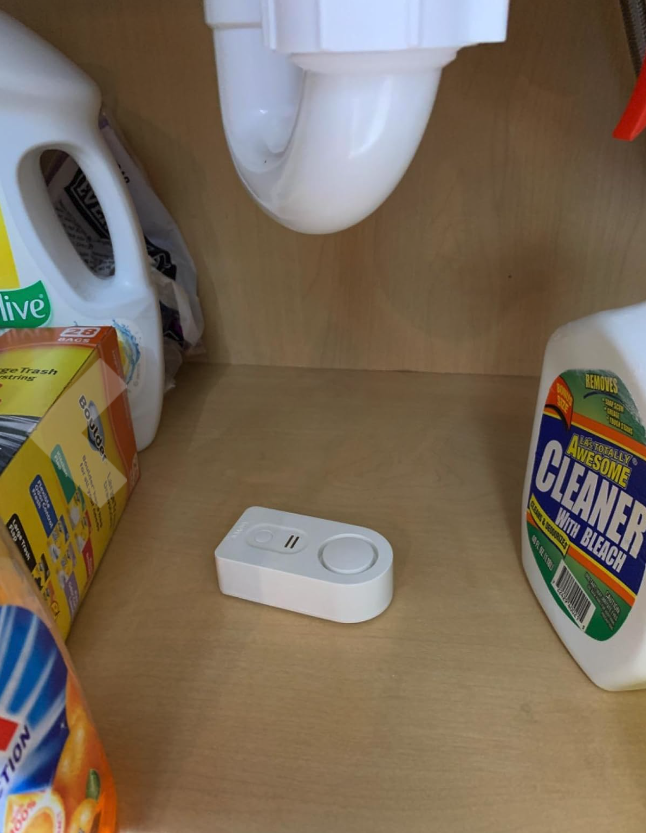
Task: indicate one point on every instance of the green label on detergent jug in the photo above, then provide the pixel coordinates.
(586, 517)
(27, 307)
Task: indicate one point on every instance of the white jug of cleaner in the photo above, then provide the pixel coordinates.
(584, 504)
(46, 102)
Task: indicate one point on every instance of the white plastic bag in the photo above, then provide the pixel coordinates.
(172, 267)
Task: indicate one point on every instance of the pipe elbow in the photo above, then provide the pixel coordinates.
(320, 147)
(353, 138)
(325, 102)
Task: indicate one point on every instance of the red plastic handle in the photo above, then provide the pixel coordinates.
(633, 120)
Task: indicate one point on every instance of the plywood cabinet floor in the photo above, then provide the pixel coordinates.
(457, 710)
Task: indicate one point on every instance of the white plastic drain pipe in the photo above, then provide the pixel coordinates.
(325, 102)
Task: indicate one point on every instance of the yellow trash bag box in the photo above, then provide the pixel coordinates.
(68, 459)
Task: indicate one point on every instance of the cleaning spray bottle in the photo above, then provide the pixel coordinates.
(54, 774)
(47, 103)
(584, 504)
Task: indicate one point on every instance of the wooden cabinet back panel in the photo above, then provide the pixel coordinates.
(520, 211)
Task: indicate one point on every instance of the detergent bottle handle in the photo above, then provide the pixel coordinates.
(127, 293)
(131, 264)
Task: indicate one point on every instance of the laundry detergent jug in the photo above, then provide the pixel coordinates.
(47, 103)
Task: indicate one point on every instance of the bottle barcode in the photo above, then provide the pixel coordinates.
(573, 596)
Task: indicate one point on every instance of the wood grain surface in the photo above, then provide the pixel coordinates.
(519, 213)
(457, 710)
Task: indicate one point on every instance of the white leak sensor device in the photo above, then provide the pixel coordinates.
(321, 568)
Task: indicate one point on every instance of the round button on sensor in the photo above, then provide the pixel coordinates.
(348, 555)
(263, 536)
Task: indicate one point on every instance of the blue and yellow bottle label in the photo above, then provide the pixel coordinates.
(586, 515)
(54, 777)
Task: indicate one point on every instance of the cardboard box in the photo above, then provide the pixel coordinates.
(68, 460)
